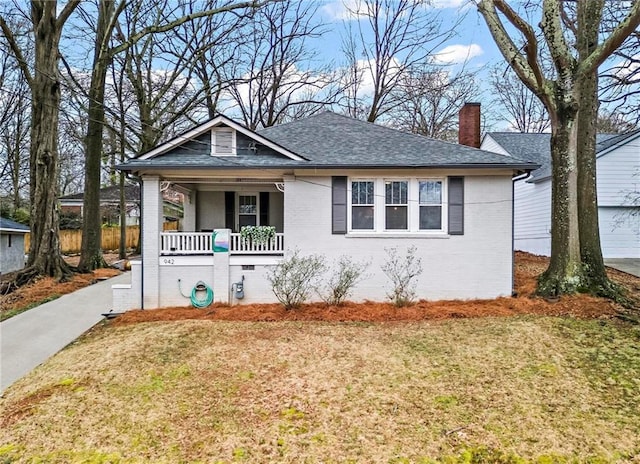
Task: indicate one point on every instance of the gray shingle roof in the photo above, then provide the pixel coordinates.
(8, 224)
(329, 140)
(536, 148)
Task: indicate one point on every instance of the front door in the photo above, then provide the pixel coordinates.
(247, 210)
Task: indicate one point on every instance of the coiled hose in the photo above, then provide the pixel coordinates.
(199, 302)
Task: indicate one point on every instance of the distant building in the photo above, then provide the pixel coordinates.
(110, 204)
(11, 245)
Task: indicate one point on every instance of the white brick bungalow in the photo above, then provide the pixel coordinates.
(330, 185)
(617, 180)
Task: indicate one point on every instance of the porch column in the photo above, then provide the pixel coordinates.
(189, 211)
(221, 271)
(151, 229)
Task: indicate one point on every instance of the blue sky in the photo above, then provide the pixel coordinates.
(472, 39)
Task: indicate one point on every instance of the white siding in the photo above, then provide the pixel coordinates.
(532, 212)
(11, 257)
(477, 264)
(619, 232)
(491, 145)
(618, 174)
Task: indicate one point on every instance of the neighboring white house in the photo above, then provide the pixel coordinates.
(330, 185)
(11, 245)
(618, 184)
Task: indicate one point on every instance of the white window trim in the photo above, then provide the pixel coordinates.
(413, 207)
(350, 208)
(214, 145)
(444, 211)
(383, 192)
(237, 207)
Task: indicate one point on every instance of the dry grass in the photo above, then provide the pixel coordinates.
(543, 388)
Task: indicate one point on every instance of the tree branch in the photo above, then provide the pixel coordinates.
(15, 48)
(553, 34)
(178, 22)
(620, 33)
(508, 48)
(66, 12)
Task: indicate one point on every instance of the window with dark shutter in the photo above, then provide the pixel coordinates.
(229, 210)
(339, 205)
(264, 209)
(456, 205)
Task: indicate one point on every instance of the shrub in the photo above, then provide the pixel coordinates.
(402, 271)
(22, 216)
(345, 274)
(70, 220)
(293, 279)
(260, 235)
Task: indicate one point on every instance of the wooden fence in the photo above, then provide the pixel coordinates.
(71, 240)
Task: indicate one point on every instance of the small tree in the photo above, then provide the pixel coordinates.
(295, 277)
(402, 270)
(345, 274)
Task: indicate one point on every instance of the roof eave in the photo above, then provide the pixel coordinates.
(169, 167)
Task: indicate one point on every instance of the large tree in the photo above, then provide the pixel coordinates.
(386, 40)
(43, 78)
(274, 77)
(573, 39)
(429, 101)
(516, 104)
(108, 15)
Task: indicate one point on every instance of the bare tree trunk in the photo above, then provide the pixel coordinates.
(91, 249)
(564, 274)
(45, 257)
(590, 249)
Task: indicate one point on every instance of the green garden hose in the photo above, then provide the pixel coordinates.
(199, 302)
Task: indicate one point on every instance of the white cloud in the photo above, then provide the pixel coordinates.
(345, 10)
(453, 54)
(627, 68)
(442, 4)
(349, 10)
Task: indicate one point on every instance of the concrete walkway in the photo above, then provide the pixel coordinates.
(628, 265)
(31, 337)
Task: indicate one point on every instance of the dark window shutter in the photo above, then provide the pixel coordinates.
(229, 210)
(264, 208)
(339, 205)
(456, 205)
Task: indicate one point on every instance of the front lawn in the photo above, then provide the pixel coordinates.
(545, 389)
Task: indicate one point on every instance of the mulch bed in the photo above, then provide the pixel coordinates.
(528, 267)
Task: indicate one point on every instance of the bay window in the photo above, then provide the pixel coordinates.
(401, 205)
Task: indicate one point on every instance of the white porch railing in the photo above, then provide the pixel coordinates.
(200, 243)
(245, 246)
(186, 243)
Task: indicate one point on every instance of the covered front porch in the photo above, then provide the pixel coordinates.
(201, 243)
(226, 203)
(209, 247)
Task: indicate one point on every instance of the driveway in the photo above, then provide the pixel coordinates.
(628, 265)
(30, 338)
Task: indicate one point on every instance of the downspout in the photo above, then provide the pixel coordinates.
(141, 244)
(524, 176)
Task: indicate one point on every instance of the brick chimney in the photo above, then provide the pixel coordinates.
(469, 125)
